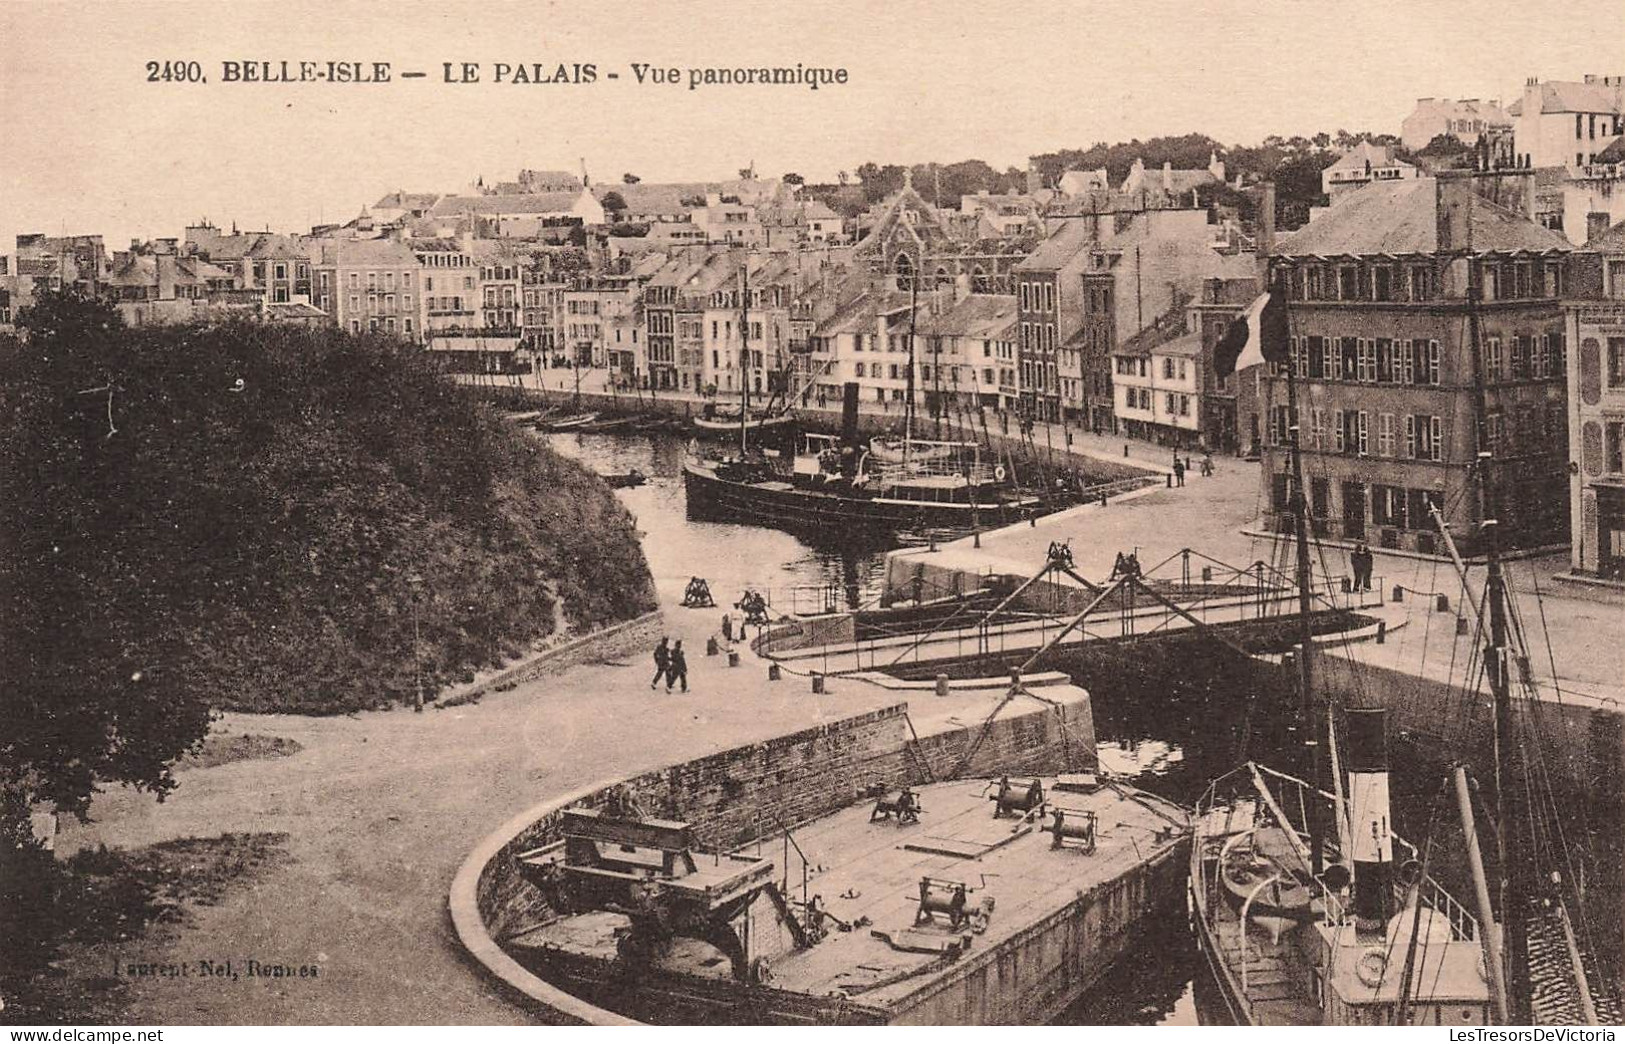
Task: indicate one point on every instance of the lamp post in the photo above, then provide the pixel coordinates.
(416, 583)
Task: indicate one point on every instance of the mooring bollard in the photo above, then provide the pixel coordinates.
(733, 657)
(1382, 631)
(711, 648)
(1207, 574)
(1399, 593)
(773, 672)
(817, 682)
(1348, 585)
(1170, 479)
(1015, 676)
(1461, 625)
(942, 685)
(1443, 604)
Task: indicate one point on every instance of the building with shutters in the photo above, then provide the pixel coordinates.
(1388, 379)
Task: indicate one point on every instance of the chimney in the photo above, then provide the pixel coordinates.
(1266, 223)
(1453, 208)
(164, 264)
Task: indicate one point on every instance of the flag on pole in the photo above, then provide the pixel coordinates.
(1258, 335)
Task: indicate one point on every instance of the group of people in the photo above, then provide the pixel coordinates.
(671, 663)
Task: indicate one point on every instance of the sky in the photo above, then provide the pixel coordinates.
(88, 145)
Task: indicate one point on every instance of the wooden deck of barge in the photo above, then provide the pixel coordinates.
(1059, 916)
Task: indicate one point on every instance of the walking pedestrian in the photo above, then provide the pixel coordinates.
(678, 670)
(662, 661)
(1179, 472)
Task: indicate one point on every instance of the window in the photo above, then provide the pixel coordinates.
(1616, 362)
(1317, 427)
(1367, 367)
(1492, 432)
(1614, 447)
(1363, 433)
(1385, 434)
(1184, 405)
(857, 370)
(355, 280)
(1167, 369)
(1493, 361)
(1410, 437)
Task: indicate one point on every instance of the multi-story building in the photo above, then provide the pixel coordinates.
(1362, 165)
(1566, 124)
(373, 285)
(279, 267)
(967, 351)
(1049, 302)
(1164, 379)
(1378, 291)
(167, 288)
(1466, 120)
(1596, 404)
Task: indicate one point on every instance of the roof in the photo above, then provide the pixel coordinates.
(1366, 152)
(530, 203)
(294, 310)
(660, 198)
(367, 252)
(406, 201)
(1568, 96)
(1401, 217)
(1062, 246)
(142, 270)
(989, 316)
(817, 211)
(277, 245)
(1614, 153)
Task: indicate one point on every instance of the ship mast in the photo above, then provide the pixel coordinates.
(744, 351)
(913, 316)
(1511, 864)
(1297, 505)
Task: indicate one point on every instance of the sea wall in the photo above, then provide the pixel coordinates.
(731, 797)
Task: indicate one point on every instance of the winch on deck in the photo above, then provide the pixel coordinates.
(647, 870)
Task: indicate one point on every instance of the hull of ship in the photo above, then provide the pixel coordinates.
(710, 497)
(1028, 979)
(722, 428)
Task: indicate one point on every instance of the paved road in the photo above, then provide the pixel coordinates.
(382, 807)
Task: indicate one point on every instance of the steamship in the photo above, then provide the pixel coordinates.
(838, 485)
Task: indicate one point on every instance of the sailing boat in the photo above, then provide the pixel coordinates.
(723, 423)
(915, 454)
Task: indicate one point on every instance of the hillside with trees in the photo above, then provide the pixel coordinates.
(249, 517)
(1294, 163)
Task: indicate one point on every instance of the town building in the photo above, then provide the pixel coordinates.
(1049, 301)
(1169, 187)
(1164, 379)
(526, 216)
(165, 287)
(1566, 124)
(1362, 165)
(966, 348)
(1466, 120)
(373, 285)
(1388, 380)
(1596, 413)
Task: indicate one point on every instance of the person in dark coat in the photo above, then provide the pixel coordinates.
(678, 669)
(1362, 561)
(662, 662)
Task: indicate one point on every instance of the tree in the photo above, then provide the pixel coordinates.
(793, 179)
(630, 179)
(226, 516)
(614, 203)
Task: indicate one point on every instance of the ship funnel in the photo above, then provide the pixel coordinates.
(1371, 842)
